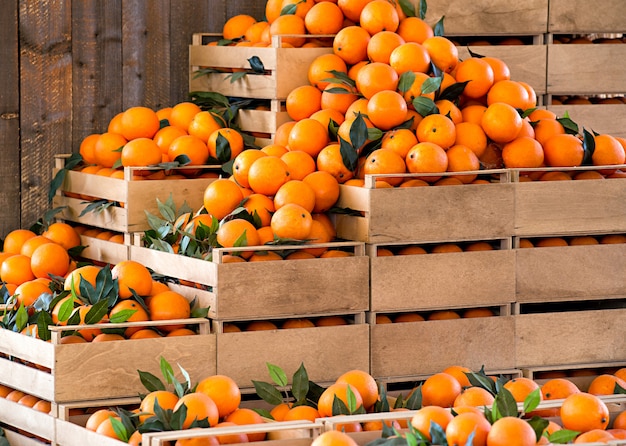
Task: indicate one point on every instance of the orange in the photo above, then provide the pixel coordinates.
(106, 427)
(521, 387)
(385, 161)
(15, 239)
(500, 69)
(605, 384)
(237, 232)
(375, 77)
(291, 221)
(236, 26)
(449, 109)
(325, 115)
(379, 15)
(507, 431)
(339, 390)
(273, 9)
(471, 135)
(33, 243)
(427, 157)
(16, 270)
(350, 43)
(299, 164)
(337, 97)
(330, 160)
(608, 151)
(460, 373)
(202, 125)
(106, 148)
(364, 383)
(352, 8)
(43, 406)
(387, 109)
(308, 135)
(523, 152)
(165, 399)
(62, 234)
(182, 114)
(132, 275)
(49, 259)
(443, 53)
(145, 333)
(234, 143)
(563, 151)
(289, 24)
(399, 140)
(245, 416)
(28, 292)
(322, 66)
(440, 389)
(501, 122)
(474, 396)
(465, 424)
(334, 438)
(296, 192)
(115, 124)
(546, 128)
(190, 146)
(199, 406)
(86, 148)
(462, 159)
(594, 436)
(260, 204)
(299, 413)
(139, 122)
(221, 197)
(254, 32)
(303, 101)
(168, 305)
(620, 421)
(326, 188)
(437, 129)
(431, 414)
(277, 149)
(324, 18)
(300, 7)
(532, 95)
(558, 388)
(223, 390)
(583, 412)
(267, 174)
(473, 113)
(510, 92)
(98, 417)
(414, 29)
(382, 44)
(242, 163)
(141, 152)
(478, 74)
(87, 273)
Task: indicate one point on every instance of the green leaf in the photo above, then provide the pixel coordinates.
(538, 424)
(277, 374)
(532, 400)
(182, 160)
(21, 318)
(66, 310)
(589, 146)
(414, 402)
(256, 64)
(382, 405)
(289, 9)
(119, 429)
(44, 320)
(358, 132)
(150, 382)
(300, 384)
(481, 380)
(339, 407)
(95, 206)
(97, 312)
(406, 81)
(504, 404)
(351, 399)
(339, 77)
(570, 126)
(56, 183)
(425, 106)
(453, 92)
(422, 8)
(178, 417)
(122, 316)
(619, 389)
(222, 148)
(408, 8)
(563, 436)
(431, 85)
(167, 371)
(438, 29)
(437, 434)
(268, 392)
(349, 155)
(167, 209)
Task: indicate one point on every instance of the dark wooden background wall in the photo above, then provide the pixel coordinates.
(68, 66)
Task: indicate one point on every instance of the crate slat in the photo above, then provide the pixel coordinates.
(601, 118)
(575, 17)
(27, 419)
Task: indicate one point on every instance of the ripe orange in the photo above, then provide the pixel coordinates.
(96, 418)
(427, 157)
(474, 396)
(326, 188)
(86, 148)
(221, 197)
(302, 7)
(337, 97)
(15, 239)
(62, 234)
(382, 44)
(462, 159)
(165, 399)
(523, 152)
(235, 231)
(385, 161)
(199, 407)
(139, 122)
(427, 415)
(236, 26)
(501, 122)
(440, 389)
(443, 53)
(437, 129)
(321, 67)
(608, 151)
(340, 390)
(87, 272)
(511, 430)
(303, 101)
(379, 15)
(49, 258)
(223, 390)
(28, 292)
(558, 388)
(364, 383)
(459, 372)
(291, 221)
(605, 384)
(563, 150)
(583, 412)
(387, 109)
(330, 160)
(169, 305)
(245, 416)
(16, 270)
(235, 143)
(308, 135)
(242, 164)
(399, 140)
(324, 18)
(106, 148)
(299, 164)
(478, 74)
(140, 314)
(296, 192)
(288, 25)
(141, 152)
(375, 77)
(190, 146)
(131, 274)
(182, 114)
(465, 424)
(262, 205)
(350, 43)
(334, 438)
(202, 125)
(414, 29)
(521, 387)
(510, 92)
(471, 135)
(267, 174)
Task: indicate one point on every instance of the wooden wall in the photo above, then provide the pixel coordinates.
(71, 65)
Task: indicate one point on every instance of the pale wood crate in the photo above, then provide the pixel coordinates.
(570, 273)
(571, 337)
(490, 17)
(570, 207)
(438, 281)
(67, 372)
(326, 352)
(262, 123)
(600, 118)
(72, 434)
(426, 214)
(23, 418)
(104, 251)
(583, 69)
(256, 290)
(575, 17)
(138, 197)
(526, 62)
(440, 344)
(19, 439)
(285, 69)
(574, 373)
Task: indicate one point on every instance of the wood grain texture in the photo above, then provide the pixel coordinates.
(601, 118)
(576, 16)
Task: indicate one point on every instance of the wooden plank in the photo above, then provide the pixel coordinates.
(570, 273)
(103, 250)
(601, 118)
(16, 439)
(326, 352)
(581, 69)
(437, 281)
(438, 344)
(570, 337)
(490, 17)
(71, 434)
(28, 379)
(27, 419)
(46, 92)
(9, 118)
(576, 17)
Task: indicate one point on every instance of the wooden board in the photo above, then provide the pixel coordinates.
(261, 121)
(570, 337)
(435, 345)
(72, 434)
(256, 290)
(570, 273)
(599, 118)
(427, 214)
(566, 74)
(437, 281)
(576, 17)
(24, 418)
(570, 207)
(103, 250)
(326, 352)
(526, 62)
(490, 17)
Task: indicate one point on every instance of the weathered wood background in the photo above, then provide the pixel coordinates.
(71, 65)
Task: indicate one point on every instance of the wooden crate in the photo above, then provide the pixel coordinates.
(581, 69)
(569, 207)
(256, 290)
(262, 123)
(490, 17)
(575, 17)
(138, 197)
(600, 118)
(446, 280)
(104, 251)
(420, 348)
(326, 352)
(426, 214)
(285, 69)
(19, 439)
(23, 418)
(526, 62)
(570, 273)
(67, 372)
(574, 373)
(570, 337)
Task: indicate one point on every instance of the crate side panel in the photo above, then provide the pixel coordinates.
(570, 272)
(27, 379)
(419, 282)
(575, 17)
(570, 337)
(71, 434)
(601, 118)
(27, 419)
(103, 250)
(326, 352)
(545, 207)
